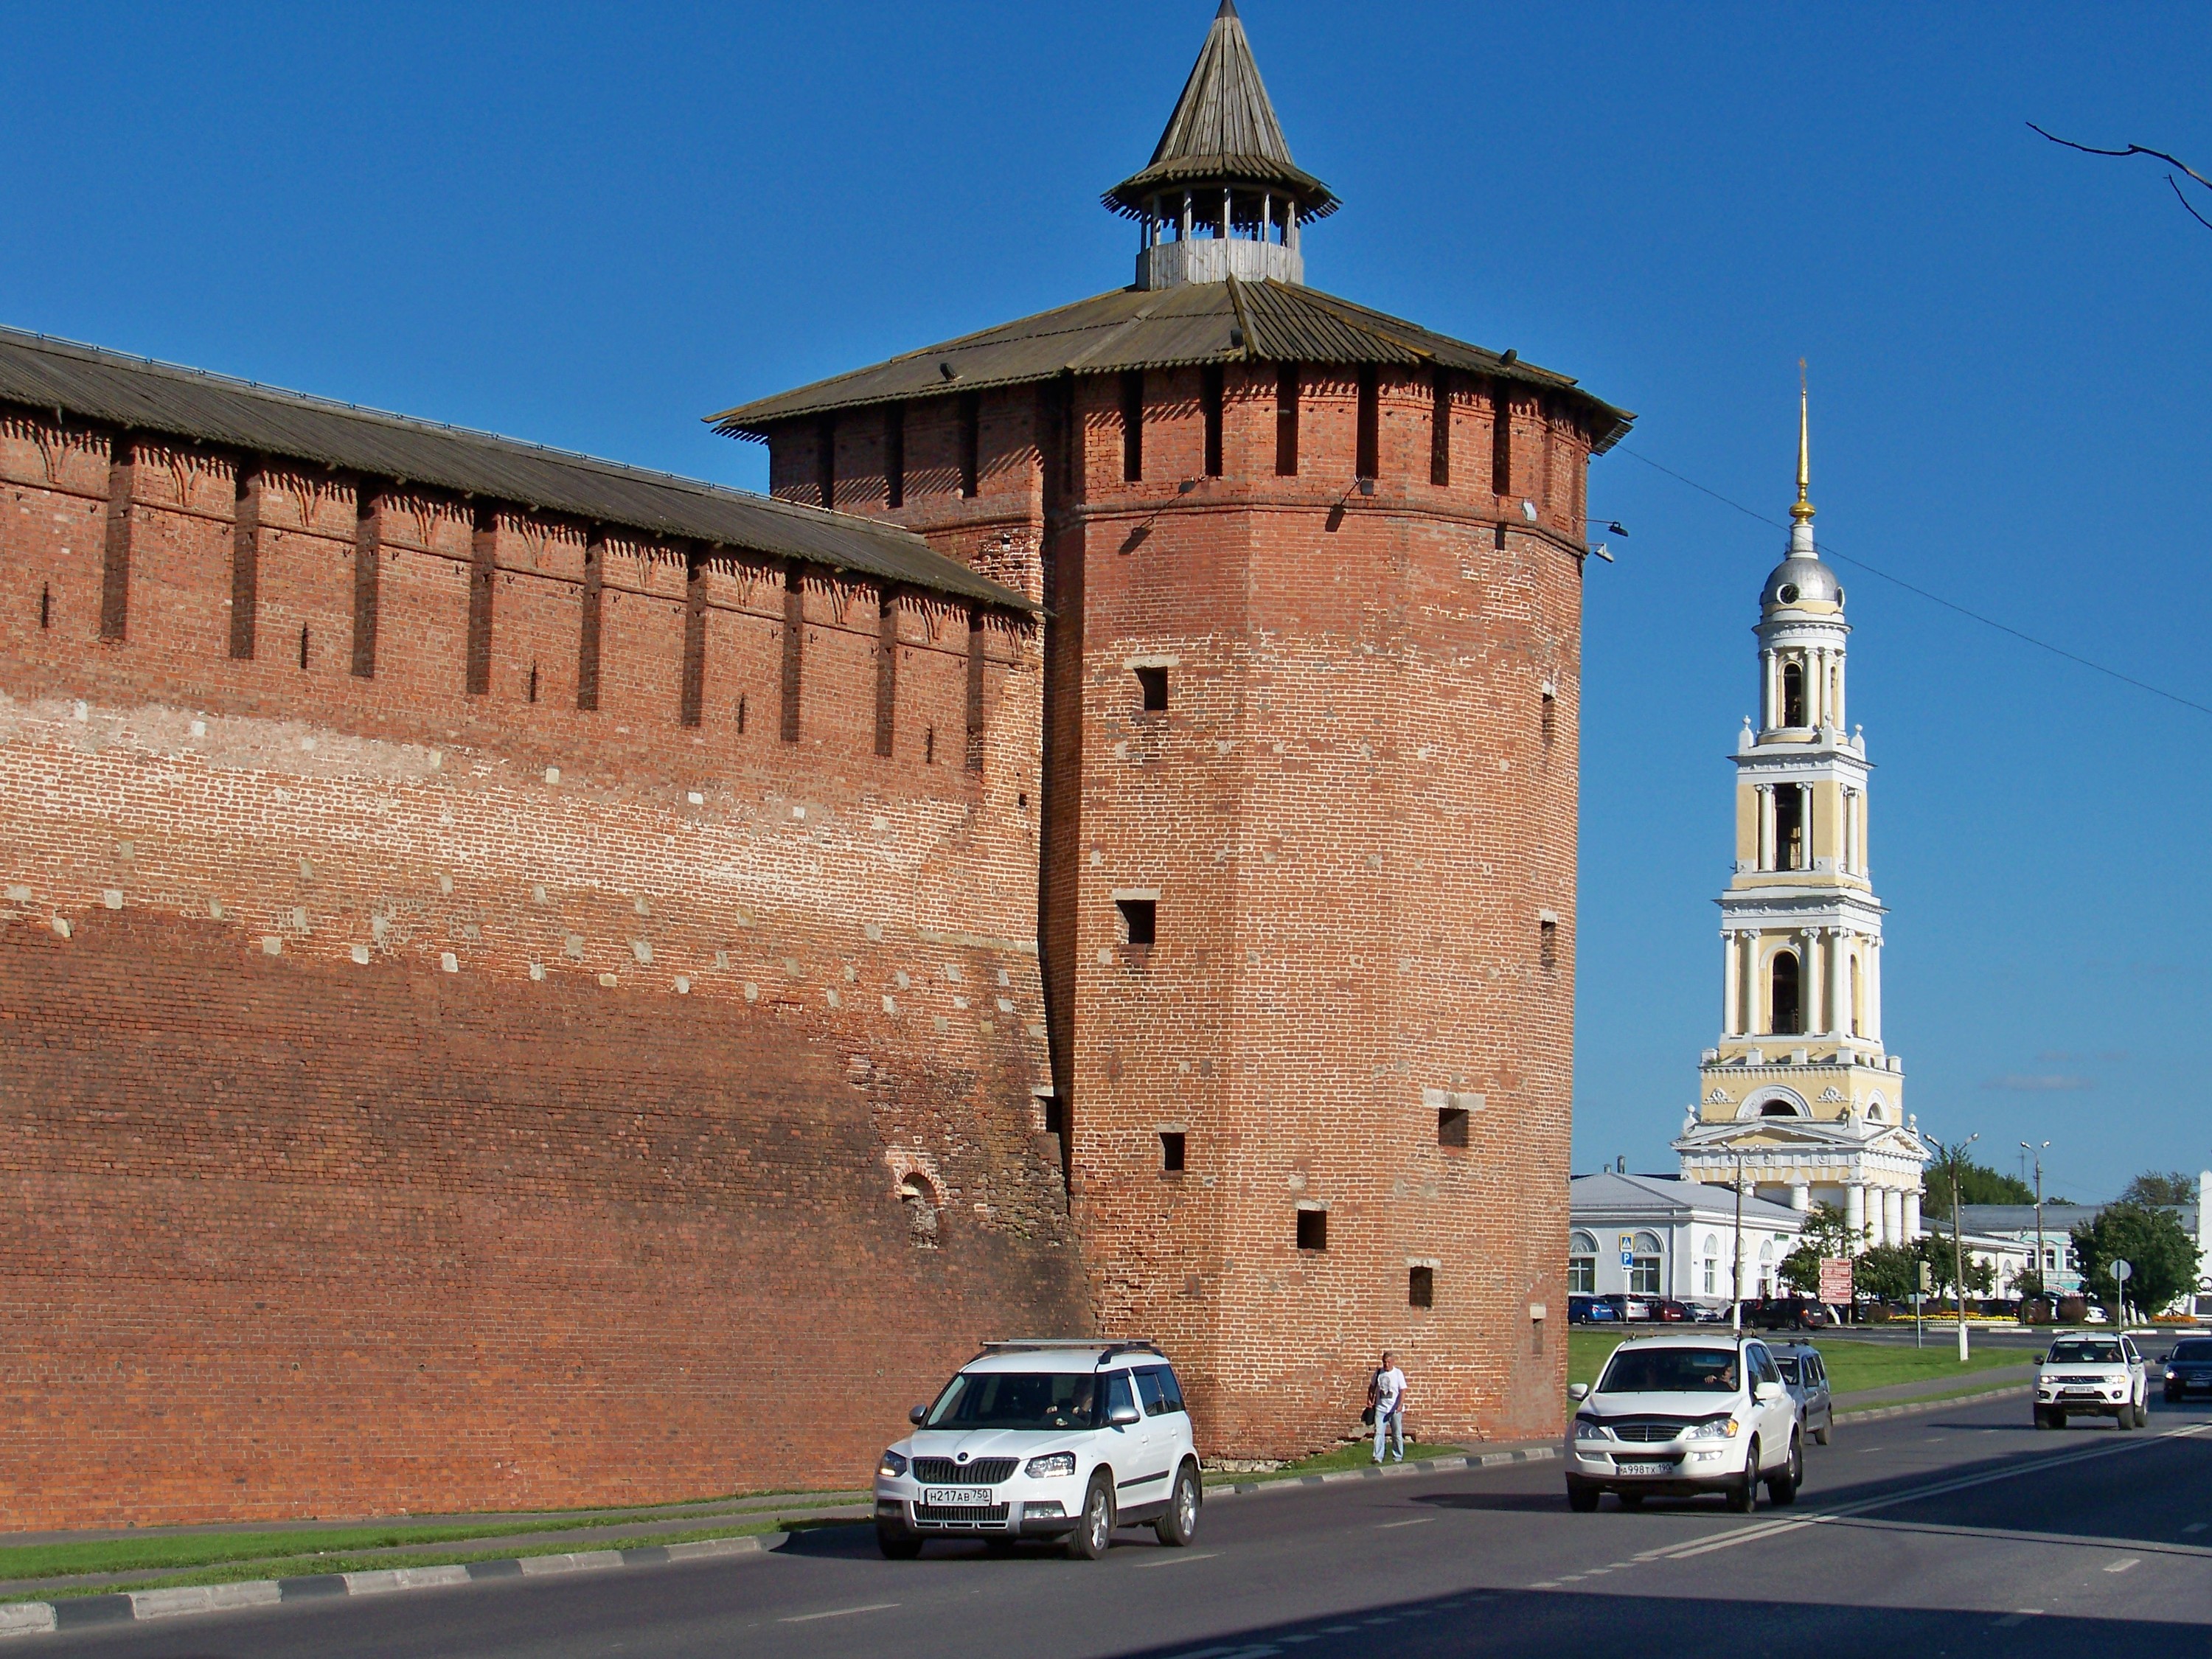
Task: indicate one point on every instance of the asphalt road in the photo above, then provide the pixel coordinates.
(1961, 1531)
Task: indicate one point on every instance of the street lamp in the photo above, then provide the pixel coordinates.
(1953, 1157)
(2042, 1286)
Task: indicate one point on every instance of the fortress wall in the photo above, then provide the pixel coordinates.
(415, 1099)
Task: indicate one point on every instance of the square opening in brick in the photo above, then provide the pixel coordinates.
(1420, 1287)
(1451, 1126)
(1139, 919)
(1171, 1150)
(1056, 1117)
(1153, 689)
(1313, 1230)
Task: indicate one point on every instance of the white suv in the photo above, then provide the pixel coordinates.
(2092, 1375)
(1675, 1416)
(1045, 1439)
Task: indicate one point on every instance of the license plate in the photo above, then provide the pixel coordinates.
(956, 1496)
(1638, 1466)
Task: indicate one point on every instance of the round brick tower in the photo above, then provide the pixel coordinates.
(1306, 793)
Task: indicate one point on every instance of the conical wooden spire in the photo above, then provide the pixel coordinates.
(1223, 134)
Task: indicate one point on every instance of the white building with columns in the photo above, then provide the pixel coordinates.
(1799, 1100)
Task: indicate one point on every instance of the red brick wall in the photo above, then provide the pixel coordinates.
(1354, 812)
(537, 1082)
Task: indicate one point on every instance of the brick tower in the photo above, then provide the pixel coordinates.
(1305, 804)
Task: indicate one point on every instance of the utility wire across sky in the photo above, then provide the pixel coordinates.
(1829, 550)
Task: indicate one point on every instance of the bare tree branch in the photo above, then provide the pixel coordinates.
(2140, 149)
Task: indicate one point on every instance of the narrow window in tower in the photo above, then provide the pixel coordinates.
(895, 455)
(45, 604)
(1551, 720)
(825, 461)
(533, 682)
(1153, 689)
(741, 717)
(972, 444)
(1501, 441)
(1451, 1126)
(1793, 694)
(1367, 442)
(1440, 428)
(1132, 426)
(1783, 1007)
(303, 647)
(1139, 919)
(1548, 940)
(1171, 1151)
(929, 746)
(1286, 421)
(1209, 400)
(1788, 826)
(1056, 1117)
(1313, 1230)
(1420, 1287)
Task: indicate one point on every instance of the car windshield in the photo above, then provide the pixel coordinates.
(1016, 1399)
(2195, 1352)
(1787, 1364)
(1638, 1370)
(2080, 1352)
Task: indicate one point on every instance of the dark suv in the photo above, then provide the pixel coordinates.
(2189, 1367)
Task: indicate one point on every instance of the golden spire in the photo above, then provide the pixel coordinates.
(1803, 509)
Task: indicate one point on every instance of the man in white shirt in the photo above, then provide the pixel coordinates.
(1386, 1393)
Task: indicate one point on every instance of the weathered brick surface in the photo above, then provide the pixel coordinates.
(1355, 812)
(415, 1100)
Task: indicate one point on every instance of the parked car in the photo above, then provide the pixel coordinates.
(1630, 1307)
(1589, 1310)
(1708, 1313)
(1049, 1440)
(2092, 1375)
(2189, 1367)
(1786, 1313)
(1806, 1375)
(1669, 1312)
(1685, 1414)
(2093, 1315)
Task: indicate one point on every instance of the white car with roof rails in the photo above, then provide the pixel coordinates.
(1676, 1416)
(1045, 1439)
(2091, 1375)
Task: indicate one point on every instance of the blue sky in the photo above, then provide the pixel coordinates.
(590, 226)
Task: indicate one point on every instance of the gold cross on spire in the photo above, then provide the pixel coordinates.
(1803, 509)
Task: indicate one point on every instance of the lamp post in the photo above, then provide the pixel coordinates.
(1735, 1271)
(2042, 1287)
(1953, 1157)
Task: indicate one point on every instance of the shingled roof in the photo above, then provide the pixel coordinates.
(67, 380)
(1160, 328)
(1223, 131)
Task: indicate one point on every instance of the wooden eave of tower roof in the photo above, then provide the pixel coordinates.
(1196, 323)
(1223, 133)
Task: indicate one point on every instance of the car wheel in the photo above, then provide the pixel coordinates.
(2045, 1418)
(1094, 1533)
(1743, 1497)
(896, 1543)
(2128, 1414)
(2057, 1420)
(1179, 1524)
(1820, 1434)
(1581, 1497)
(1782, 1486)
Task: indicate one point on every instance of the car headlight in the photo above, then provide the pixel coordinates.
(1051, 1466)
(1590, 1428)
(892, 1466)
(2172, 1375)
(1717, 1428)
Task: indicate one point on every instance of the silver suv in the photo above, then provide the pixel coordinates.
(1046, 1440)
(1677, 1416)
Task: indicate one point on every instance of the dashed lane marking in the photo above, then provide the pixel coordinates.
(2122, 1566)
(835, 1612)
(1180, 1558)
(1418, 1521)
(2194, 1527)
(2014, 1619)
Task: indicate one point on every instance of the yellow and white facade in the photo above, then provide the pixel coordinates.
(1800, 1100)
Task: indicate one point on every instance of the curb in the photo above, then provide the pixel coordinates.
(139, 1607)
(1427, 1466)
(1871, 1412)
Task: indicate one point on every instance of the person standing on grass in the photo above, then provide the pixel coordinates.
(1386, 1394)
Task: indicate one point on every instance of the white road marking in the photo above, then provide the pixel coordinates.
(2122, 1566)
(1549, 1584)
(2195, 1526)
(835, 1612)
(1418, 1521)
(1179, 1558)
(2011, 1619)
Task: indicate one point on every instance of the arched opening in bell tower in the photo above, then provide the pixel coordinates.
(1784, 1008)
(1789, 826)
(1793, 694)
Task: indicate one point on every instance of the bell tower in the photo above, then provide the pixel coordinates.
(1799, 1100)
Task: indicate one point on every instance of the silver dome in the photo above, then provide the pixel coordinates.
(1797, 579)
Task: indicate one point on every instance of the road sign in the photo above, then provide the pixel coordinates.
(1835, 1280)
(2124, 1270)
(1627, 1259)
